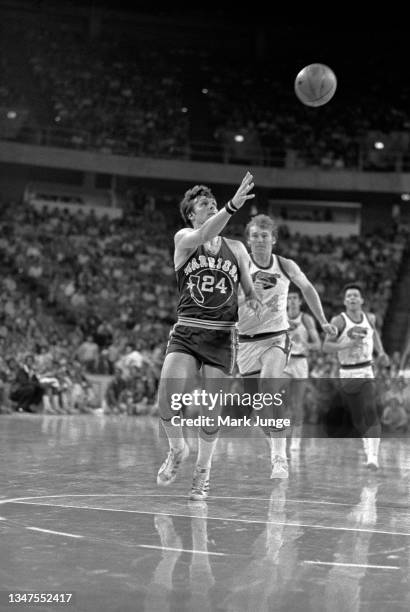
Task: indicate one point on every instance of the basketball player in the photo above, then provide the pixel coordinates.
(304, 338)
(264, 342)
(209, 270)
(355, 344)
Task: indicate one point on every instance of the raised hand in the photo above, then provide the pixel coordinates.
(243, 194)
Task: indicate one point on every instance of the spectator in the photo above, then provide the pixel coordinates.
(26, 390)
(87, 353)
(114, 390)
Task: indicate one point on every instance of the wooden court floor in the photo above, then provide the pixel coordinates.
(80, 512)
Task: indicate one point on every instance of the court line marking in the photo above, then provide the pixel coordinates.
(62, 533)
(186, 550)
(352, 565)
(296, 501)
(149, 546)
(216, 518)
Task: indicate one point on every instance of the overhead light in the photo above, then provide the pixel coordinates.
(379, 144)
(239, 138)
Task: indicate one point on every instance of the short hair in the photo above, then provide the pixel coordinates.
(188, 201)
(263, 222)
(354, 285)
(294, 289)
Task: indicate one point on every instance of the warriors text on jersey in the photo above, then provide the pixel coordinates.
(208, 286)
(299, 335)
(273, 316)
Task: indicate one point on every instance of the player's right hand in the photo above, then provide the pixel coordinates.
(330, 330)
(242, 195)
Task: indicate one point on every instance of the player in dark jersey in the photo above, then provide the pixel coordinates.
(209, 270)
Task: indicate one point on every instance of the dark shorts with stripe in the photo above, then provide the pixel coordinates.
(212, 347)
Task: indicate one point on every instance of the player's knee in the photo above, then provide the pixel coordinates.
(273, 364)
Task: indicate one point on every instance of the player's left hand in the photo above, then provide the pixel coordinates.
(330, 330)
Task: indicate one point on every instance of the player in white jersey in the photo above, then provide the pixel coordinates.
(355, 344)
(264, 342)
(304, 338)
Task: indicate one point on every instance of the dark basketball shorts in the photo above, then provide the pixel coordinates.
(212, 347)
(359, 398)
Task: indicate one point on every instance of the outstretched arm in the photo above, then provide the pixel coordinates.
(309, 293)
(249, 293)
(189, 238)
(383, 358)
(335, 344)
(314, 341)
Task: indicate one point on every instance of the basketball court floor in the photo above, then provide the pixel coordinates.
(80, 513)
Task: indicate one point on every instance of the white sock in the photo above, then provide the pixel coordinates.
(296, 437)
(278, 444)
(206, 450)
(174, 435)
(373, 452)
(366, 445)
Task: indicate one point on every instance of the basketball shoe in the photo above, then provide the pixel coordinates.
(280, 467)
(168, 470)
(200, 484)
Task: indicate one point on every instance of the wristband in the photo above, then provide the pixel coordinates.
(230, 208)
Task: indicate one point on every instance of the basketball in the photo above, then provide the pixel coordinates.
(315, 84)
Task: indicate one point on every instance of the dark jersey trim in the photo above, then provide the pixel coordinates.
(282, 269)
(262, 267)
(183, 264)
(357, 322)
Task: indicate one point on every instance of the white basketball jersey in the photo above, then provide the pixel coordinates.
(299, 335)
(273, 315)
(362, 353)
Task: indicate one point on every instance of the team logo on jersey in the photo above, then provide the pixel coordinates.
(210, 288)
(357, 332)
(268, 279)
(210, 263)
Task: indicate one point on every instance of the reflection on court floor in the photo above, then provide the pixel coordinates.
(80, 512)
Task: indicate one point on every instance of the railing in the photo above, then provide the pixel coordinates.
(364, 160)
